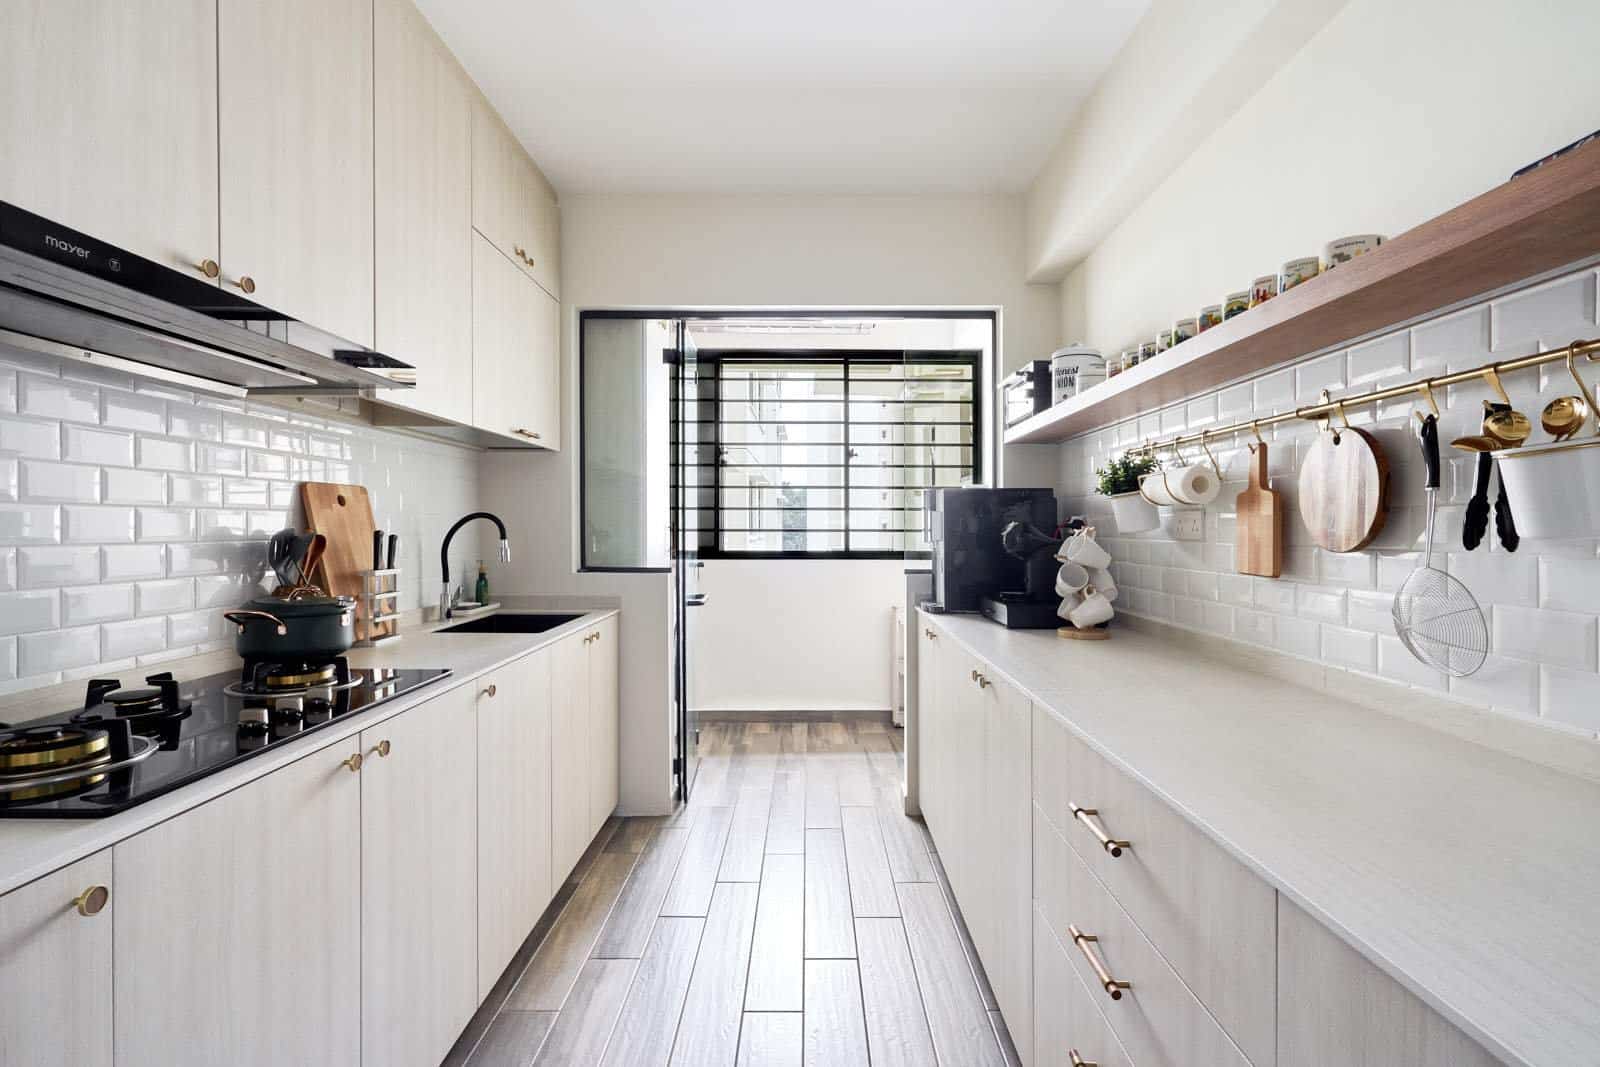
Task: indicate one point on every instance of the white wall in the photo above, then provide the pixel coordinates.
(686, 252)
(1389, 115)
(795, 635)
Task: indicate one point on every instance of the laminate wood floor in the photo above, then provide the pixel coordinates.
(763, 923)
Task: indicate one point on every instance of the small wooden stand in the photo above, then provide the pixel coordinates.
(1092, 634)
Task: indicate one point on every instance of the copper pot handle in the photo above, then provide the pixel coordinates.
(243, 619)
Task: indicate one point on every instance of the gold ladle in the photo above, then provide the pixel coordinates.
(1564, 416)
(1502, 421)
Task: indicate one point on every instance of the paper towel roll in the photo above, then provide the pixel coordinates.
(1196, 485)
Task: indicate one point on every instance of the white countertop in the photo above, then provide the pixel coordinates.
(1470, 876)
(32, 848)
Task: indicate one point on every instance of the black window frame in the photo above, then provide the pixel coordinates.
(845, 358)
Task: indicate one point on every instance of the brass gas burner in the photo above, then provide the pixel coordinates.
(28, 751)
(299, 677)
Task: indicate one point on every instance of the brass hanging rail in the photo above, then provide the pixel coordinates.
(1422, 387)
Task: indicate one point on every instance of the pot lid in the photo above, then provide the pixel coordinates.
(309, 605)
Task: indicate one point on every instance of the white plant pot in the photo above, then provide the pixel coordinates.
(1554, 489)
(1134, 514)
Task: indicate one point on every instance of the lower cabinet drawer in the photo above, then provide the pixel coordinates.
(1212, 919)
(1156, 1017)
(1066, 1019)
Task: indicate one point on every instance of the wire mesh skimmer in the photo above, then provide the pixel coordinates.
(1435, 616)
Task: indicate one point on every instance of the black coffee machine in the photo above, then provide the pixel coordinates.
(973, 568)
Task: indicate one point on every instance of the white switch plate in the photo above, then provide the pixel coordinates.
(1188, 525)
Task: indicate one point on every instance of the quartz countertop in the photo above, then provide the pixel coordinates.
(1469, 875)
(32, 848)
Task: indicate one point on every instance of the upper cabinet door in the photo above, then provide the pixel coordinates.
(108, 115)
(515, 351)
(423, 200)
(296, 106)
(512, 205)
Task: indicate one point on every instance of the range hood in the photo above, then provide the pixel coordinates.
(66, 294)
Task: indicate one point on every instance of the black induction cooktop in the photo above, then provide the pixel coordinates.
(127, 745)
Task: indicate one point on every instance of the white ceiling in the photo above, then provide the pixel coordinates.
(753, 96)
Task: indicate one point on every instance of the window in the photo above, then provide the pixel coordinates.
(828, 453)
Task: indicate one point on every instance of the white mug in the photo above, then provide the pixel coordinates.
(1083, 550)
(1103, 583)
(1095, 609)
(1069, 604)
(1071, 579)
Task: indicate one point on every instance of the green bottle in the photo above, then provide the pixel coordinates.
(481, 592)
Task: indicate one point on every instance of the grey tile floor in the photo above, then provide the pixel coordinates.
(790, 913)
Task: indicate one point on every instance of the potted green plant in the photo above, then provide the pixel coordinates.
(1119, 480)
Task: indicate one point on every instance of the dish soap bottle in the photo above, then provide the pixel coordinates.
(481, 592)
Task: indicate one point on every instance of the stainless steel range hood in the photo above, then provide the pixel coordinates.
(66, 294)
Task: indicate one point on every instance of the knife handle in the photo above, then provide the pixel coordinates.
(394, 550)
(377, 550)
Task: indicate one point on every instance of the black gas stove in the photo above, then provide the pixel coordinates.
(127, 745)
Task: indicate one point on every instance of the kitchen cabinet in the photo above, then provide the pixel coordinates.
(109, 115)
(238, 937)
(516, 346)
(1066, 1019)
(1334, 1007)
(514, 769)
(422, 130)
(55, 967)
(583, 743)
(512, 204)
(295, 109)
(419, 905)
(604, 757)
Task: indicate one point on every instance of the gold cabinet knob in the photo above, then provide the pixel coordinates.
(382, 747)
(353, 762)
(1079, 1061)
(245, 282)
(595, 635)
(209, 267)
(491, 690)
(929, 634)
(92, 900)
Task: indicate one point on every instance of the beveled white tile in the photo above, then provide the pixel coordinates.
(57, 650)
(8, 568)
(1570, 697)
(244, 492)
(194, 559)
(1569, 584)
(1218, 617)
(266, 465)
(1370, 610)
(133, 637)
(30, 438)
(1563, 638)
(166, 524)
(1275, 392)
(164, 453)
(29, 524)
(1350, 648)
(265, 523)
(1273, 594)
(1257, 627)
(1380, 360)
(1298, 637)
(217, 524)
(1346, 568)
(8, 658)
(1235, 589)
(1190, 613)
(89, 525)
(10, 480)
(1459, 339)
(1396, 662)
(43, 482)
(42, 566)
(244, 430)
(8, 390)
(219, 459)
(1497, 577)
(1501, 682)
(1553, 313)
(194, 628)
(57, 398)
(195, 423)
(166, 596)
(1236, 402)
(223, 591)
(328, 445)
(1316, 375)
(96, 603)
(122, 562)
(129, 486)
(133, 411)
(30, 610)
(195, 490)
(1324, 605)
(90, 444)
(1202, 585)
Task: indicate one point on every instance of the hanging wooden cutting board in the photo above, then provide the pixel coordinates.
(1344, 489)
(1258, 529)
(343, 514)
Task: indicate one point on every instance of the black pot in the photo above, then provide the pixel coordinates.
(310, 628)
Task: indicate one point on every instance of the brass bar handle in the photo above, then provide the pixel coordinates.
(928, 633)
(353, 762)
(1079, 1061)
(490, 691)
(381, 748)
(209, 267)
(1112, 845)
(531, 434)
(91, 901)
(1110, 984)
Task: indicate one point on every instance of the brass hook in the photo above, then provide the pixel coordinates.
(1342, 416)
(1255, 427)
(1583, 388)
(1215, 468)
(1492, 376)
(1325, 420)
(1426, 389)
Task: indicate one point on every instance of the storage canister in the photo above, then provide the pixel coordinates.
(1347, 248)
(1298, 270)
(1066, 366)
(1148, 351)
(1210, 315)
(1236, 304)
(1184, 329)
(1263, 289)
(1164, 340)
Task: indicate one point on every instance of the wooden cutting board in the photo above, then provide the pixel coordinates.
(342, 514)
(1258, 529)
(1344, 489)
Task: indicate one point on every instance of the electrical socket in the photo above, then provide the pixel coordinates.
(1188, 525)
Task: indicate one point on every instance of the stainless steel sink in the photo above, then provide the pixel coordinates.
(510, 622)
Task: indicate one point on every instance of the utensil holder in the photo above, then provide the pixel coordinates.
(380, 607)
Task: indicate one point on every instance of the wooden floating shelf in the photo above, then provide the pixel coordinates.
(1545, 219)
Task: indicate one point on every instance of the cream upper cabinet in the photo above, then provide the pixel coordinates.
(514, 879)
(422, 143)
(419, 904)
(55, 967)
(251, 903)
(108, 115)
(603, 723)
(512, 204)
(516, 347)
(296, 114)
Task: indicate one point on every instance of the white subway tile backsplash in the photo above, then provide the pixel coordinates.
(219, 459)
(1495, 577)
(57, 650)
(8, 659)
(166, 524)
(1236, 402)
(195, 559)
(33, 438)
(1501, 682)
(1324, 605)
(30, 610)
(166, 596)
(25, 524)
(1350, 648)
(61, 483)
(130, 486)
(223, 525)
(132, 411)
(1274, 595)
(1190, 613)
(1564, 638)
(223, 591)
(1570, 697)
(1369, 610)
(57, 398)
(244, 430)
(1298, 637)
(10, 481)
(1274, 392)
(53, 566)
(194, 423)
(122, 562)
(1569, 584)
(96, 603)
(194, 628)
(1234, 589)
(8, 390)
(266, 465)
(88, 525)
(119, 640)
(89, 444)
(244, 492)
(1458, 340)
(165, 453)
(1396, 663)
(1356, 569)
(1253, 626)
(1554, 313)
(1382, 360)
(197, 490)
(1218, 618)
(8, 568)
(1311, 378)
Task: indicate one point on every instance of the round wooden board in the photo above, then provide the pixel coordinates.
(1344, 490)
(1075, 634)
